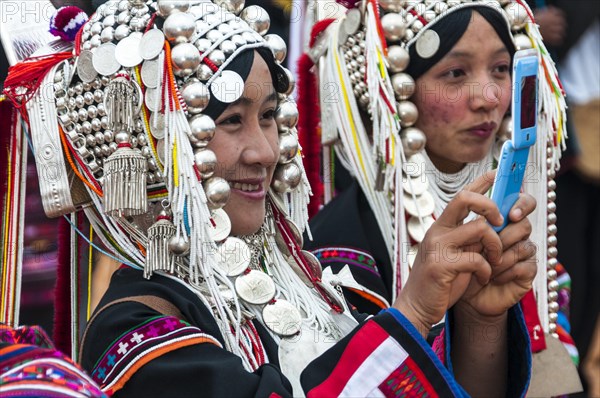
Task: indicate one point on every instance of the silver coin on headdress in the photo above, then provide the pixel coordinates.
(255, 287)
(234, 256)
(282, 317)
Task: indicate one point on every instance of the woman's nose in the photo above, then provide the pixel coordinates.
(259, 149)
(487, 94)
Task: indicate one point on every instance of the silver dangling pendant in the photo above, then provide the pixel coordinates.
(158, 256)
(125, 170)
(124, 185)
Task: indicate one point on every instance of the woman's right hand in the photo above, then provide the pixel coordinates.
(450, 254)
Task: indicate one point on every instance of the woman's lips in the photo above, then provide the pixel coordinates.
(251, 189)
(484, 130)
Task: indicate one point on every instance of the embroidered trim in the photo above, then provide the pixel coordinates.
(407, 381)
(347, 255)
(140, 345)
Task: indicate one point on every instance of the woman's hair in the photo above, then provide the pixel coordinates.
(450, 29)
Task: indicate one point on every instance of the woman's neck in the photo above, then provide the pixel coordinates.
(445, 165)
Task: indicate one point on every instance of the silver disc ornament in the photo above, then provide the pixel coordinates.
(282, 317)
(255, 287)
(85, 66)
(127, 52)
(234, 256)
(416, 230)
(152, 43)
(313, 263)
(150, 73)
(416, 185)
(422, 205)
(219, 225)
(104, 60)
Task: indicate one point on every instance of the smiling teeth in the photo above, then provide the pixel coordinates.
(245, 187)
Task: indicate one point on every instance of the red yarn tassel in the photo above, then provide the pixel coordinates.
(309, 133)
(62, 290)
(28, 75)
(8, 118)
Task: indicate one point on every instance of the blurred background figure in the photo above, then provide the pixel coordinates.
(571, 30)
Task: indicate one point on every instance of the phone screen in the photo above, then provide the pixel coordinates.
(528, 101)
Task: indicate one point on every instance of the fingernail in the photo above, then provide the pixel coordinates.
(517, 213)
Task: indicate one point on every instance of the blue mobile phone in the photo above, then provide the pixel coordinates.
(515, 152)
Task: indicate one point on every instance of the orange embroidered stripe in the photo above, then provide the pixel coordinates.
(369, 297)
(153, 355)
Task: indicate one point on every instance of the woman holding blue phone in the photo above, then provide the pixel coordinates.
(447, 74)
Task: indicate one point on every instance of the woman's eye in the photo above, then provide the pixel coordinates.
(455, 73)
(270, 114)
(502, 68)
(235, 119)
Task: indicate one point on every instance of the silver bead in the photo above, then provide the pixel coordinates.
(99, 96)
(88, 98)
(123, 18)
(168, 7)
(234, 6)
(288, 148)
(552, 296)
(206, 162)
(82, 114)
(121, 138)
(201, 27)
(203, 45)
(217, 192)
(416, 26)
(99, 137)
(286, 177)
(142, 139)
(408, 35)
(394, 26)
(553, 317)
(214, 36)
(551, 207)
(553, 306)
(146, 152)
(202, 129)
(150, 178)
(551, 196)
(113, 147)
(105, 149)
(552, 252)
(429, 15)
(552, 229)
(152, 165)
(397, 58)
(217, 57)
(408, 113)
(278, 46)
(522, 42)
(79, 102)
(551, 218)
(238, 40)
(292, 81)
(249, 37)
(96, 28)
(551, 275)
(196, 96)
(92, 111)
(90, 140)
(552, 329)
(257, 18)
(227, 47)
(185, 59)
(204, 72)
(413, 140)
(552, 263)
(552, 241)
(517, 15)
(124, 5)
(98, 152)
(109, 136)
(133, 141)
(107, 34)
(179, 246)
(122, 31)
(551, 173)
(96, 124)
(287, 115)
(403, 85)
(224, 28)
(137, 23)
(86, 86)
(179, 27)
(392, 5)
(551, 185)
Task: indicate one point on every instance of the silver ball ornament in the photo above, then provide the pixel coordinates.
(179, 246)
(394, 26)
(185, 59)
(234, 6)
(392, 5)
(204, 72)
(287, 115)
(408, 113)
(413, 141)
(288, 148)
(205, 161)
(168, 7)
(292, 82)
(179, 27)
(196, 97)
(517, 15)
(257, 18)
(397, 58)
(278, 47)
(403, 85)
(217, 192)
(202, 129)
(122, 137)
(522, 42)
(286, 177)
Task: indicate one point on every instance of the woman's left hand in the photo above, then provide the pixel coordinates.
(513, 277)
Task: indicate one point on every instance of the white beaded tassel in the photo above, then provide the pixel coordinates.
(187, 196)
